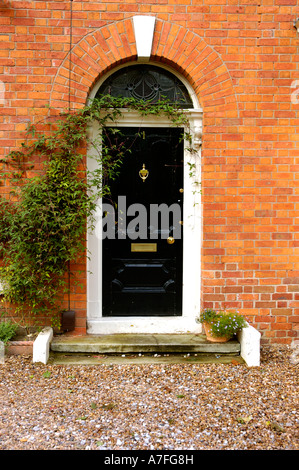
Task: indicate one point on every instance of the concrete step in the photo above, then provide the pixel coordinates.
(94, 359)
(142, 344)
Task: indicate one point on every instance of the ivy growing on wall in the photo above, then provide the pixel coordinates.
(43, 218)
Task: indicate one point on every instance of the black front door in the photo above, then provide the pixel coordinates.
(143, 228)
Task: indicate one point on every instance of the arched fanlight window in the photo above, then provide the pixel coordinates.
(148, 83)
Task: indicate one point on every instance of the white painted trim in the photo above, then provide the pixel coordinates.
(96, 324)
(144, 27)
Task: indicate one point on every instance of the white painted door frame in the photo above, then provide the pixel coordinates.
(96, 323)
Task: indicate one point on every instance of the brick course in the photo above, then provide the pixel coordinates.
(242, 61)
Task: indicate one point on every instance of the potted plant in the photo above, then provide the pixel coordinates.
(221, 326)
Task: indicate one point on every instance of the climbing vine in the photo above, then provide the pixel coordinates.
(52, 195)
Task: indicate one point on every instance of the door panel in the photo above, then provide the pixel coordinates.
(142, 271)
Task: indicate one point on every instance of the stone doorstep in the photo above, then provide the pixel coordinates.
(142, 343)
(158, 359)
(247, 345)
(141, 349)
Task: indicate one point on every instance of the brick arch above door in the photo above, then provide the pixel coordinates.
(175, 46)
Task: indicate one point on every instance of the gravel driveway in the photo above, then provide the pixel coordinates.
(150, 407)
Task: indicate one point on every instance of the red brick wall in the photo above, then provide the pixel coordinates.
(242, 58)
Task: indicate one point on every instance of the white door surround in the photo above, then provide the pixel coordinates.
(96, 323)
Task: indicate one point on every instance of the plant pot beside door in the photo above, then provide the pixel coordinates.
(68, 316)
(214, 339)
(67, 320)
(221, 326)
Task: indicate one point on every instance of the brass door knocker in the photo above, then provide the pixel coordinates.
(143, 173)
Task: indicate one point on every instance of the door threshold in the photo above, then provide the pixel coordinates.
(143, 325)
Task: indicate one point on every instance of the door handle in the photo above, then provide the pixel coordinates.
(170, 240)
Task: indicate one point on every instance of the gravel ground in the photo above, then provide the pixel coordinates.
(150, 407)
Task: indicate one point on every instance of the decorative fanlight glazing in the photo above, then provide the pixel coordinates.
(148, 83)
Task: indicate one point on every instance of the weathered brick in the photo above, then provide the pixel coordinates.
(291, 280)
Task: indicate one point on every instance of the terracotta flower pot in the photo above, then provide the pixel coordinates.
(214, 339)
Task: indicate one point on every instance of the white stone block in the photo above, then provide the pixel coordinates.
(249, 339)
(2, 352)
(41, 346)
(294, 358)
(144, 32)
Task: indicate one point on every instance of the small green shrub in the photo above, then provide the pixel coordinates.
(7, 330)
